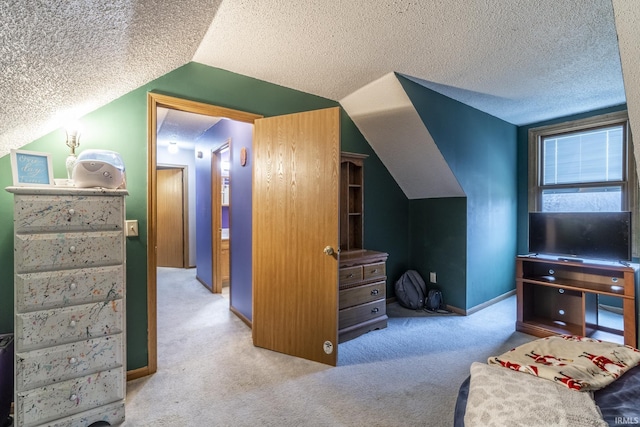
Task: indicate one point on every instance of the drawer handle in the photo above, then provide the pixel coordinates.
(375, 310)
(73, 286)
(72, 211)
(72, 249)
(72, 324)
(73, 361)
(350, 276)
(375, 292)
(561, 291)
(73, 397)
(375, 270)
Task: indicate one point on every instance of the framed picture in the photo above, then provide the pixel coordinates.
(31, 168)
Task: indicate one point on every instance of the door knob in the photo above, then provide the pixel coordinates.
(328, 250)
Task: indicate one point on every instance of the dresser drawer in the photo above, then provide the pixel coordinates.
(65, 325)
(38, 291)
(361, 313)
(361, 294)
(70, 397)
(112, 414)
(67, 213)
(53, 251)
(38, 368)
(348, 275)
(371, 271)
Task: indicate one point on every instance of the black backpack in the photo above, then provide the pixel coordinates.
(434, 301)
(411, 290)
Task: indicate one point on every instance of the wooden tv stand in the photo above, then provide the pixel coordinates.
(561, 296)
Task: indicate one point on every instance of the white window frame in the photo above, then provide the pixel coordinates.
(630, 180)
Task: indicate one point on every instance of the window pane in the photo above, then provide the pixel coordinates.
(592, 156)
(601, 199)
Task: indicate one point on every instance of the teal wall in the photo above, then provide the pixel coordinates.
(439, 243)
(481, 151)
(122, 126)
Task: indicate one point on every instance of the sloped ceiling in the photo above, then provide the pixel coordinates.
(388, 120)
(627, 15)
(60, 59)
(521, 60)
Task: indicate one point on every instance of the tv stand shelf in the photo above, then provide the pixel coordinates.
(561, 296)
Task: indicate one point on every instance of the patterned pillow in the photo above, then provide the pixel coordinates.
(580, 363)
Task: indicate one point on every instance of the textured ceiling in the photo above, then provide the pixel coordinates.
(181, 127)
(60, 59)
(628, 27)
(520, 60)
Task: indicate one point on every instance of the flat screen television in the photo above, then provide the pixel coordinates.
(591, 235)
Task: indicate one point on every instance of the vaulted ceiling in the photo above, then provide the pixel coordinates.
(520, 60)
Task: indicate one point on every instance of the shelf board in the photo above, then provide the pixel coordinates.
(576, 285)
(559, 328)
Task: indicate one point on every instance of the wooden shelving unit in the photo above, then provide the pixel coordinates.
(351, 201)
(561, 297)
(362, 274)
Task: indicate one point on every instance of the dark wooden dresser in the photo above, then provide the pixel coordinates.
(363, 283)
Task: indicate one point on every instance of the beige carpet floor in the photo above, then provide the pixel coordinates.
(210, 374)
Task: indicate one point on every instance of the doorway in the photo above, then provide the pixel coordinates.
(220, 206)
(154, 101)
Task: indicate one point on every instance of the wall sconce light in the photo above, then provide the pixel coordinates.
(73, 141)
(173, 147)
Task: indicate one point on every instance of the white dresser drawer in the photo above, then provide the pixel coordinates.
(67, 213)
(53, 251)
(65, 325)
(38, 368)
(70, 397)
(112, 414)
(38, 291)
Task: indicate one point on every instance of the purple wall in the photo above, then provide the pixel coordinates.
(203, 212)
(225, 217)
(238, 217)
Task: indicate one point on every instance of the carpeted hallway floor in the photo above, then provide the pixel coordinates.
(210, 374)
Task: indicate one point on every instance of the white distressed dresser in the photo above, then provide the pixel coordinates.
(69, 262)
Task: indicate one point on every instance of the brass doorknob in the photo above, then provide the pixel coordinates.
(329, 251)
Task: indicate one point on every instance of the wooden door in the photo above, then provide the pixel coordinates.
(295, 216)
(170, 236)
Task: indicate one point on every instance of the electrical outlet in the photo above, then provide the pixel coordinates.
(432, 277)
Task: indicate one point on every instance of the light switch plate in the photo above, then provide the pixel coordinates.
(131, 227)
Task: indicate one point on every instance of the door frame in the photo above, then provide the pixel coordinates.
(216, 217)
(155, 100)
(185, 209)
